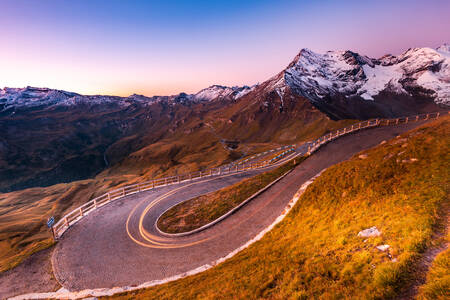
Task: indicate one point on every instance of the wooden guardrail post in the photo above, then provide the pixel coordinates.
(246, 165)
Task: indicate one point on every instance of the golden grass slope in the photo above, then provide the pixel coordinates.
(201, 210)
(23, 213)
(315, 252)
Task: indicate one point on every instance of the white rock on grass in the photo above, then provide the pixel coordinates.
(383, 247)
(369, 232)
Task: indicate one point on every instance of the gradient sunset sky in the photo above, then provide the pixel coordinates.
(166, 47)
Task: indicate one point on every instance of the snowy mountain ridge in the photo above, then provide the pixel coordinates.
(349, 74)
(417, 73)
(11, 98)
(221, 92)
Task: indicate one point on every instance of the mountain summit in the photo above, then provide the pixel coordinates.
(418, 72)
(51, 136)
(345, 84)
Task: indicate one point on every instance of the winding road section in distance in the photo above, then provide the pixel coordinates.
(119, 245)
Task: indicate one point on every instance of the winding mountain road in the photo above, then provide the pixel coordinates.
(119, 245)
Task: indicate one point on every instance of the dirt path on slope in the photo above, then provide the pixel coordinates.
(423, 265)
(33, 275)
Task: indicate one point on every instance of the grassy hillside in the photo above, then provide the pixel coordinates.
(23, 213)
(201, 210)
(315, 252)
(161, 146)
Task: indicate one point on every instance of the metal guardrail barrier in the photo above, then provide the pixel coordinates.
(75, 215)
(316, 144)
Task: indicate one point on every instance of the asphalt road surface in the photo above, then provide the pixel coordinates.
(118, 244)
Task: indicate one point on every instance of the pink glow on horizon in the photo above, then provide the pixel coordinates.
(121, 52)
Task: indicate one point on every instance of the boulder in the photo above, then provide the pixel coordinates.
(383, 247)
(369, 232)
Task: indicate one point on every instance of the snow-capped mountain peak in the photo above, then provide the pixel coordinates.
(418, 73)
(350, 74)
(316, 75)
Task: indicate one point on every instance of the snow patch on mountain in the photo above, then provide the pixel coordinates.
(378, 79)
(350, 74)
(316, 75)
(13, 98)
(221, 92)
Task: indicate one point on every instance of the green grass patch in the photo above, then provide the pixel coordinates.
(315, 252)
(201, 210)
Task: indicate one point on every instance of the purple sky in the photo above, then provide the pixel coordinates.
(156, 47)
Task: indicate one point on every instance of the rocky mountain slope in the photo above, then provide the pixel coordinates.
(345, 84)
(350, 74)
(50, 136)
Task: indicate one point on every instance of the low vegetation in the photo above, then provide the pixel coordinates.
(23, 213)
(399, 187)
(438, 278)
(201, 210)
(23, 217)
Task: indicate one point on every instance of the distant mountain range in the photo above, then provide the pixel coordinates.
(420, 73)
(12, 99)
(50, 136)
